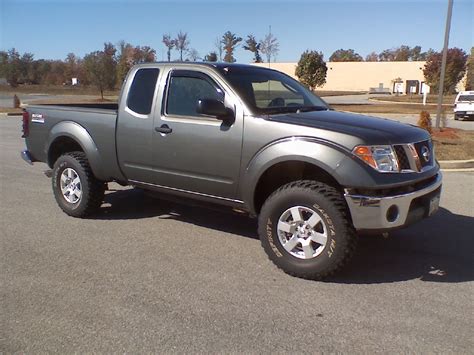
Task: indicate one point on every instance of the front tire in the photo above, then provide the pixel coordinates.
(76, 190)
(306, 231)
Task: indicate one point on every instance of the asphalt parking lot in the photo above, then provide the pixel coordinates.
(154, 276)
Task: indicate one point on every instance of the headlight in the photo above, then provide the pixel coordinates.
(380, 157)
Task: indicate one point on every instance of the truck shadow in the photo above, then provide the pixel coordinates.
(137, 204)
(439, 249)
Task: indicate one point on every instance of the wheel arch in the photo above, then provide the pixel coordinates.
(68, 136)
(287, 171)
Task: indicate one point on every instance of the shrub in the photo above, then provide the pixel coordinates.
(16, 102)
(425, 121)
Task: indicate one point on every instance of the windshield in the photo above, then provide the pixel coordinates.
(271, 92)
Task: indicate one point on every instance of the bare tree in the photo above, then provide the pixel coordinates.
(193, 55)
(169, 44)
(220, 49)
(269, 46)
(182, 43)
(372, 57)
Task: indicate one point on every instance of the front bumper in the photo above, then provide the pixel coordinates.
(382, 213)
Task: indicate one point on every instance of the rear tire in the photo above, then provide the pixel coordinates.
(306, 231)
(77, 191)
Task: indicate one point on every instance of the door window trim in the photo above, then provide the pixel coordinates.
(189, 74)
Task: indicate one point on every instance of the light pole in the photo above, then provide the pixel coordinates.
(443, 62)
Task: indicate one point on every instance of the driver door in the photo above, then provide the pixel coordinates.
(193, 152)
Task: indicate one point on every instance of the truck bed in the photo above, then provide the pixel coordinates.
(93, 122)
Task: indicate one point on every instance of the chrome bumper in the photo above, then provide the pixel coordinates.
(25, 155)
(370, 212)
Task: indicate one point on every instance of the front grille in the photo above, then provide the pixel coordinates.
(425, 152)
(403, 161)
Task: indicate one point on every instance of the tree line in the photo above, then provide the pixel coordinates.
(107, 68)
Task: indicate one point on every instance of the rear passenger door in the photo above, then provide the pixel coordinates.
(134, 132)
(200, 154)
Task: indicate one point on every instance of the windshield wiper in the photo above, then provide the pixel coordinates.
(311, 108)
(293, 109)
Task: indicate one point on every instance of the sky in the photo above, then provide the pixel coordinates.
(52, 29)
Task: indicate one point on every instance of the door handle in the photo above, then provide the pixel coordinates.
(165, 129)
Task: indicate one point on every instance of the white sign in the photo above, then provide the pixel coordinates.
(398, 88)
(425, 88)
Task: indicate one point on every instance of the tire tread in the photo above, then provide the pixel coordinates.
(96, 188)
(335, 197)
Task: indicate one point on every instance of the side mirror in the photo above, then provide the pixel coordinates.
(215, 108)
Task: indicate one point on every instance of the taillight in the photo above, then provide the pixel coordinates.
(26, 124)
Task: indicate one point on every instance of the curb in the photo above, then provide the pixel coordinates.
(456, 164)
(10, 114)
(373, 99)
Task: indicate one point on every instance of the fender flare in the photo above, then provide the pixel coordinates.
(80, 135)
(333, 159)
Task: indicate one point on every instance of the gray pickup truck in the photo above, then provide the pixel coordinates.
(250, 138)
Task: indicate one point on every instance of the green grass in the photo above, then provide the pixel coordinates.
(417, 99)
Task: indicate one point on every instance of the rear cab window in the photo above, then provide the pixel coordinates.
(142, 90)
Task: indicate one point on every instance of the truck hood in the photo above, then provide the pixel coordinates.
(371, 130)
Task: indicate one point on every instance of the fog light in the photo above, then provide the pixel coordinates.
(392, 213)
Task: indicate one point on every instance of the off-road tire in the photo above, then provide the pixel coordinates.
(92, 189)
(333, 211)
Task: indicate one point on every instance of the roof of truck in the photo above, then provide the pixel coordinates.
(217, 65)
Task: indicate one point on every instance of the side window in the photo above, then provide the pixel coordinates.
(140, 95)
(184, 92)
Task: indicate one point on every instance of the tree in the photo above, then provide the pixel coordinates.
(11, 67)
(26, 68)
(211, 57)
(455, 69)
(230, 41)
(345, 55)
(71, 69)
(101, 68)
(253, 46)
(403, 54)
(193, 55)
(387, 55)
(124, 60)
(143, 54)
(169, 44)
(269, 46)
(181, 43)
(372, 57)
(3, 64)
(470, 72)
(128, 55)
(311, 69)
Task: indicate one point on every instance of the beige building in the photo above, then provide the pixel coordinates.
(366, 76)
